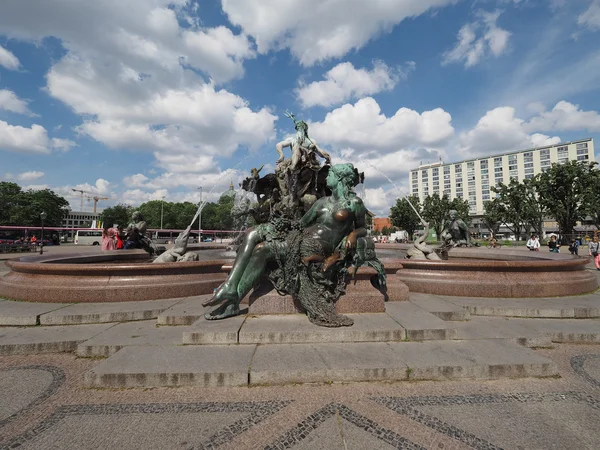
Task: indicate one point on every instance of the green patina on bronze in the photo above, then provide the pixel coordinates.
(308, 257)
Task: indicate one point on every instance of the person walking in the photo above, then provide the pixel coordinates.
(533, 244)
(594, 249)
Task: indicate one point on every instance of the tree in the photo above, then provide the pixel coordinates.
(534, 209)
(493, 215)
(24, 207)
(568, 192)
(512, 200)
(119, 214)
(594, 198)
(435, 211)
(403, 216)
(10, 196)
(385, 231)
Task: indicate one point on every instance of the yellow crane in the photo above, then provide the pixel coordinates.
(93, 196)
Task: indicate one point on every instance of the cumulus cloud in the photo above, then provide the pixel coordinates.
(590, 18)
(10, 102)
(315, 30)
(29, 176)
(477, 40)
(499, 131)
(344, 82)
(133, 72)
(565, 116)
(364, 127)
(8, 60)
(22, 139)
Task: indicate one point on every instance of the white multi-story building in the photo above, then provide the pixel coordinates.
(473, 178)
(77, 219)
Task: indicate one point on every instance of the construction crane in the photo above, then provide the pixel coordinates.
(93, 197)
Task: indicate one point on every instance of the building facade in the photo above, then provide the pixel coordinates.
(473, 179)
(79, 219)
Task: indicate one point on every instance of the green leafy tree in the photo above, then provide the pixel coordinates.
(385, 231)
(520, 206)
(535, 210)
(568, 192)
(435, 211)
(119, 214)
(493, 215)
(25, 207)
(593, 198)
(10, 198)
(403, 216)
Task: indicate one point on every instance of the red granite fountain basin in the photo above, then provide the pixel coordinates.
(506, 274)
(111, 277)
(126, 276)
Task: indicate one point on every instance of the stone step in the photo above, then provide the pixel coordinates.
(297, 329)
(207, 366)
(567, 331)
(579, 307)
(212, 332)
(440, 306)
(186, 312)
(144, 333)
(24, 313)
(249, 364)
(419, 323)
(107, 312)
(502, 328)
(36, 340)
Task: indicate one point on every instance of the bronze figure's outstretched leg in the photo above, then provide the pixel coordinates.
(248, 267)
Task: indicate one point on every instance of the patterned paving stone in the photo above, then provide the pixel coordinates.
(588, 367)
(23, 388)
(146, 426)
(534, 421)
(336, 426)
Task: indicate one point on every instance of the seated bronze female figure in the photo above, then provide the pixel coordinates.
(311, 256)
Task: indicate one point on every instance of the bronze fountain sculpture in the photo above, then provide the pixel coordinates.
(313, 233)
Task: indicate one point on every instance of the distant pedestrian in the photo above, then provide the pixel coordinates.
(533, 244)
(108, 238)
(594, 249)
(553, 245)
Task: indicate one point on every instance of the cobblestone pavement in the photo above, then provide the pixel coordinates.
(43, 406)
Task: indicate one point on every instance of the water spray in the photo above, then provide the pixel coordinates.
(397, 187)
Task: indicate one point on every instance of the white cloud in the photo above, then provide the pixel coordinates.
(128, 72)
(63, 145)
(590, 18)
(29, 176)
(8, 60)
(344, 82)
(140, 32)
(23, 140)
(499, 131)
(316, 30)
(472, 49)
(363, 127)
(10, 102)
(565, 116)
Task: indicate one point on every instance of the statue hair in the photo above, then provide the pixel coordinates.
(348, 176)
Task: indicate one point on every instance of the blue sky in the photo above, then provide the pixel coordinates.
(146, 99)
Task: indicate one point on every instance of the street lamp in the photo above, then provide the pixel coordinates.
(162, 203)
(43, 215)
(200, 217)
